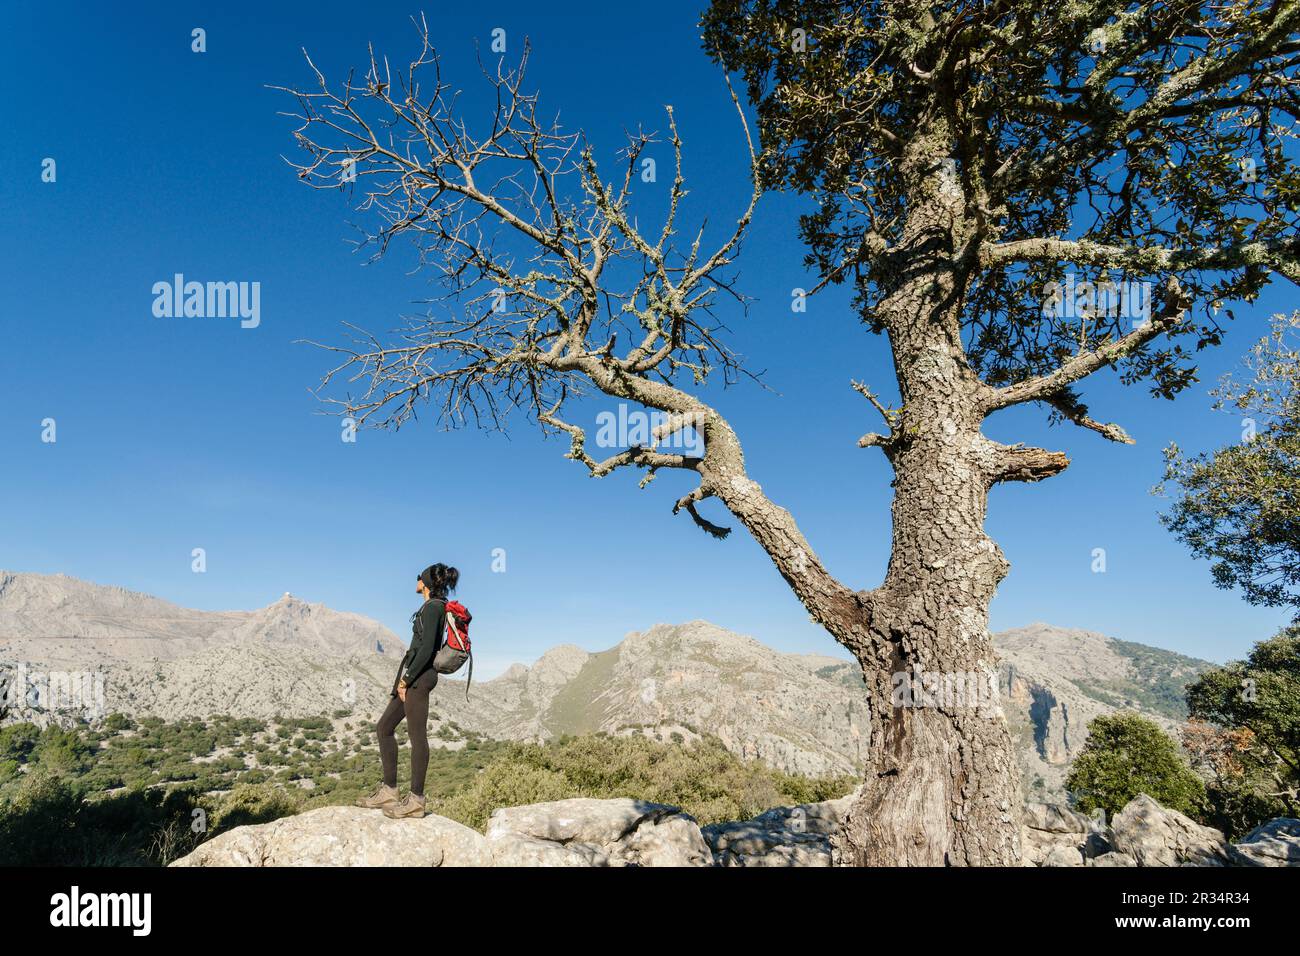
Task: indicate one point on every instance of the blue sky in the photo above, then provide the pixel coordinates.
(186, 432)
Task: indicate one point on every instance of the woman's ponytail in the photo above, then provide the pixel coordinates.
(440, 579)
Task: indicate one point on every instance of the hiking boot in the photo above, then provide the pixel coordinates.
(379, 798)
(411, 806)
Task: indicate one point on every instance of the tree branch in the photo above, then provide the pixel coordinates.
(1085, 363)
(1282, 256)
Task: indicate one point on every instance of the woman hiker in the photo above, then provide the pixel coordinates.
(410, 697)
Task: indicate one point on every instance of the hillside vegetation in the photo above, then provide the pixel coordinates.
(147, 792)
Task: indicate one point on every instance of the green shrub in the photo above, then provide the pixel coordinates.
(253, 803)
(1125, 755)
(61, 750)
(17, 741)
(705, 780)
(38, 820)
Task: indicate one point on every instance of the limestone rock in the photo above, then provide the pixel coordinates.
(579, 820)
(1054, 835)
(1156, 836)
(1063, 856)
(345, 836)
(1276, 843)
(511, 849)
(784, 836)
(589, 832)
(1055, 818)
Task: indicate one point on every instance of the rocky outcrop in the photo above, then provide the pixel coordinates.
(1157, 836)
(1055, 835)
(1142, 834)
(785, 836)
(1146, 834)
(345, 836)
(579, 832)
(1276, 843)
(589, 832)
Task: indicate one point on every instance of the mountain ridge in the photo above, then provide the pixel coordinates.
(63, 608)
(803, 713)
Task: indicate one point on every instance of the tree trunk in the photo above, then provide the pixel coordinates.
(943, 787)
(942, 784)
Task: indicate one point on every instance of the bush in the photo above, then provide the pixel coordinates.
(253, 803)
(38, 820)
(17, 741)
(705, 780)
(47, 822)
(61, 750)
(1126, 755)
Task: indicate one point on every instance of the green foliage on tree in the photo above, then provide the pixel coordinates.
(1238, 507)
(50, 819)
(116, 722)
(17, 741)
(59, 749)
(254, 803)
(1250, 749)
(1126, 755)
(1091, 135)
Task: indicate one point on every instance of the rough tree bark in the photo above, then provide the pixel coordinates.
(943, 787)
(943, 783)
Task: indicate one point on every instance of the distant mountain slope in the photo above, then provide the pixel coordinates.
(686, 679)
(799, 712)
(1058, 679)
(51, 618)
(805, 713)
(252, 680)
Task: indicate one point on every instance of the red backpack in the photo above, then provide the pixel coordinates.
(455, 649)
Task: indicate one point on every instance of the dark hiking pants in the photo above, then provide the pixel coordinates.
(416, 714)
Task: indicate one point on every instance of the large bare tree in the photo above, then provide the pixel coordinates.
(971, 160)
